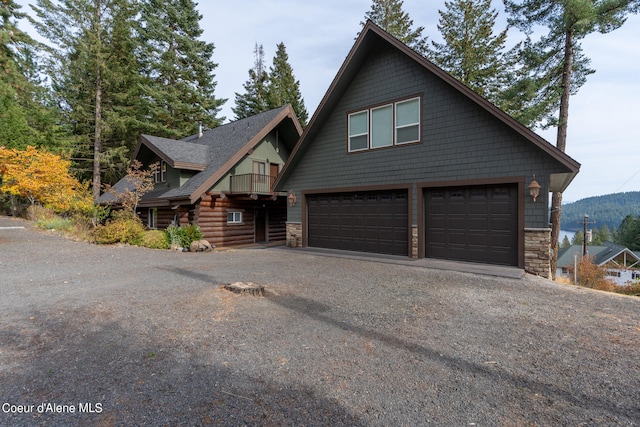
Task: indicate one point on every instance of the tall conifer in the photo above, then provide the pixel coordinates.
(178, 69)
(390, 16)
(471, 52)
(283, 87)
(92, 67)
(254, 99)
(557, 66)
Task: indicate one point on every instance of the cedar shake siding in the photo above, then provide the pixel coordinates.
(472, 156)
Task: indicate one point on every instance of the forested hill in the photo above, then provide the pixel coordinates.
(609, 209)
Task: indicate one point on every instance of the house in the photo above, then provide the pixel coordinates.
(621, 263)
(220, 179)
(400, 158)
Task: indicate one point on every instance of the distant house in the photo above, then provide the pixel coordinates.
(221, 179)
(401, 158)
(622, 264)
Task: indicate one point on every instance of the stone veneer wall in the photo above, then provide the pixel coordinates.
(537, 255)
(294, 234)
(414, 241)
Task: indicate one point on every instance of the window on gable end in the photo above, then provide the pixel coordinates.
(359, 131)
(408, 121)
(382, 126)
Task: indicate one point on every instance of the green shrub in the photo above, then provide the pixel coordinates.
(57, 223)
(182, 236)
(155, 239)
(122, 228)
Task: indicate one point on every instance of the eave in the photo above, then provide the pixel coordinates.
(368, 39)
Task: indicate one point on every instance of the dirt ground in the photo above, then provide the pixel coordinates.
(118, 335)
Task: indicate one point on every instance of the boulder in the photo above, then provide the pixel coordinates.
(200, 246)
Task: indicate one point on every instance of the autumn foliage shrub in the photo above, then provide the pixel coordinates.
(592, 276)
(121, 228)
(41, 177)
(155, 239)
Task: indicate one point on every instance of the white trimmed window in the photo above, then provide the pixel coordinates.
(160, 174)
(408, 121)
(384, 126)
(359, 131)
(234, 217)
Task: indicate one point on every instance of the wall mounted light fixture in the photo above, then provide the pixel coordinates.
(534, 189)
(291, 198)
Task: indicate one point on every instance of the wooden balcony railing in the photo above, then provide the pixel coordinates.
(252, 183)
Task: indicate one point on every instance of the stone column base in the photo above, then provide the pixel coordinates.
(294, 234)
(414, 241)
(537, 251)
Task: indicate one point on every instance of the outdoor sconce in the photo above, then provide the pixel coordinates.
(291, 198)
(534, 189)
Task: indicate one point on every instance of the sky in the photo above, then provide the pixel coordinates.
(604, 117)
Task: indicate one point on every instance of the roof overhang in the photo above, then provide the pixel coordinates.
(369, 39)
(144, 140)
(558, 182)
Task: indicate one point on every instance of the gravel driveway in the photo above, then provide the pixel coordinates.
(120, 336)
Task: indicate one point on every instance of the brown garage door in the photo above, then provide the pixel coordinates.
(476, 224)
(375, 221)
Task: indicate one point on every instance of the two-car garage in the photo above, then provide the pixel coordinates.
(472, 223)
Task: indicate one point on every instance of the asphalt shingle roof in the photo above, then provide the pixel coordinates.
(214, 149)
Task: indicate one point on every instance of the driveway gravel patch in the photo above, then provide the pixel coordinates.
(119, 335)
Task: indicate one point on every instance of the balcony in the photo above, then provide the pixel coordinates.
(252, 183)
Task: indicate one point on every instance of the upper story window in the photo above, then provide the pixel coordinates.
(384, 126)
(160, 175)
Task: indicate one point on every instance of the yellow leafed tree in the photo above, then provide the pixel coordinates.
(39, 176)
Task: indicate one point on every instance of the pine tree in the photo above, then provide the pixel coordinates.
(25, 117)
(92, 69)
(471, 52)
(558, 68)
(178, 69)
(283, 88)
(389, 15)
(254, 100)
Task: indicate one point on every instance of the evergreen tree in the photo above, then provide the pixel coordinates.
(178, 69)
(389, 15)
(556, 63)
(25, 115)
(629, 233)
(254, 100)
(578, 238)
(92, 70)
(283, 88)
(471, 52)
(565, 243)
(602, 235)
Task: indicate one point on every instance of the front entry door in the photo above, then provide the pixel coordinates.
(260, 221)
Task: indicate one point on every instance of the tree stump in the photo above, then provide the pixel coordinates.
(248, 288)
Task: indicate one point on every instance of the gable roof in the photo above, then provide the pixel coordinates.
(368, 41)
(214, 153)
(178, 154)
(601, 254)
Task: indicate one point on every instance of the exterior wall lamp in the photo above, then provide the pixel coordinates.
(534, 189)
(292, 198)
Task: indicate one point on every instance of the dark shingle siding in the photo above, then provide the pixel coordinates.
(461, 141)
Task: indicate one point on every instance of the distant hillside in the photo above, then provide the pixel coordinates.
(610, 209)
